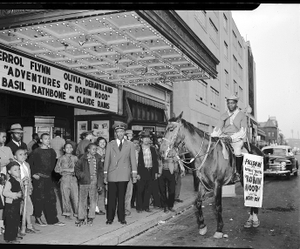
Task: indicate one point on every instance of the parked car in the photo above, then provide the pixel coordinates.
(280, 161)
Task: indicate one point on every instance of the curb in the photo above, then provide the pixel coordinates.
(138, 227)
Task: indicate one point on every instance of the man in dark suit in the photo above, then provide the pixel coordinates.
(119, 165)
(147, 173)
(15, 143)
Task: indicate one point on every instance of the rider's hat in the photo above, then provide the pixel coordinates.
(233, 97)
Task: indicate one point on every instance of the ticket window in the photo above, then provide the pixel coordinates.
(44, 129)
(63, 132)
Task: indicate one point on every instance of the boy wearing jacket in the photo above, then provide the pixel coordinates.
(90, 176)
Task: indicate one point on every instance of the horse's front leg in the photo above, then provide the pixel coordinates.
(218, 210)
(199, 214)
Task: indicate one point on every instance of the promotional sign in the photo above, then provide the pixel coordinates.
(253, 180)
(27, 76)
(101, 129)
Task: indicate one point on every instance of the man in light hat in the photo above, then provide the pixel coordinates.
(119, 166)
(147, 174)
(15, 143)
(233, 129)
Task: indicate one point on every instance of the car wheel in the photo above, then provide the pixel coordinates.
(287, 176)
(296, 173)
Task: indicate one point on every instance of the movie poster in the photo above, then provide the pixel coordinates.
(100, 128)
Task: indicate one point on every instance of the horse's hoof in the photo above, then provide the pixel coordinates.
(203, 231)
(218, 235)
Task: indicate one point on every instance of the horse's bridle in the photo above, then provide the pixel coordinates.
(172, 142)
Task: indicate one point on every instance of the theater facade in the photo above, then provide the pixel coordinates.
(78, 70)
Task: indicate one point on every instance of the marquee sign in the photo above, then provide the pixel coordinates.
(27, 76)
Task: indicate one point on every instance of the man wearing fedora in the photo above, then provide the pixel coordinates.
(16, 142)
(147, 173)
(232, 128)
(119, 166)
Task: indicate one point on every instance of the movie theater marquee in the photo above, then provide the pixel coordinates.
(23, 75)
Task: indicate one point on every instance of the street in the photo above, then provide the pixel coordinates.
(279, 221)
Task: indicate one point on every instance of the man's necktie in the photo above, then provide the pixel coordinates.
(120, 146)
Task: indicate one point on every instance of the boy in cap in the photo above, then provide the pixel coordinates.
(119, 166)
(16, 138)
(233, 129)
(13, 196)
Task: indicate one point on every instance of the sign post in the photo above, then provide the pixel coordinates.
(253, 180)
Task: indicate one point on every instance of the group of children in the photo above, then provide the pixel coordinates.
(81, 182)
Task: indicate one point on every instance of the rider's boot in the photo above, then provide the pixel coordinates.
(238, 166)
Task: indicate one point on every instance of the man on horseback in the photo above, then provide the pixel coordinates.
(233, 129)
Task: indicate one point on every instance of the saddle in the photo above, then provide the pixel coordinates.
(228, 152)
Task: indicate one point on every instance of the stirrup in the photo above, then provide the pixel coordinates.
(236, 177)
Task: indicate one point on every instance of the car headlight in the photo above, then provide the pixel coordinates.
(283, 165)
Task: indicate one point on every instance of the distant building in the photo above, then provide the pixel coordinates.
(271, 130)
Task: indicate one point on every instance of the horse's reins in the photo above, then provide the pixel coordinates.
(197, 155)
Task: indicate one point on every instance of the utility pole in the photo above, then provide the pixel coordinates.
(292, 133)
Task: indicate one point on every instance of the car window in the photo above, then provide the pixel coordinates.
(275, 151)
(267, 151)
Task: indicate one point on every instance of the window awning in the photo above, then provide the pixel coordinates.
(144, 100)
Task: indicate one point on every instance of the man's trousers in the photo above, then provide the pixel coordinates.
(44, 199)
(116, 196)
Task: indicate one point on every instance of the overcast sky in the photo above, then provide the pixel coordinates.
(274, 34)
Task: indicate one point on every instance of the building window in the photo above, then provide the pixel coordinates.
(241, 94)
(226, 76)
(240, 71)
(225, 50)
(215, 98)
(202, 91)
(203, 126)
(273, 135)
(214, 31)
(225, 22)
(234, 63)
(240, 50)
(235, 88)
(234, 39)
(200, 17)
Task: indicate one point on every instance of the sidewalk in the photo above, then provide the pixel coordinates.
(114, 234)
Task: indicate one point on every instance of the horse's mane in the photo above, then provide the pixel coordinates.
(190, 127)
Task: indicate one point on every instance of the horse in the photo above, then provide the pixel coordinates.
(213, 170)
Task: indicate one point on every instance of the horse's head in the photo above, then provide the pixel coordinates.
(173, 136)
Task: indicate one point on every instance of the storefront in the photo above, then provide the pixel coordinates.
(145, 114)
(78, 70)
